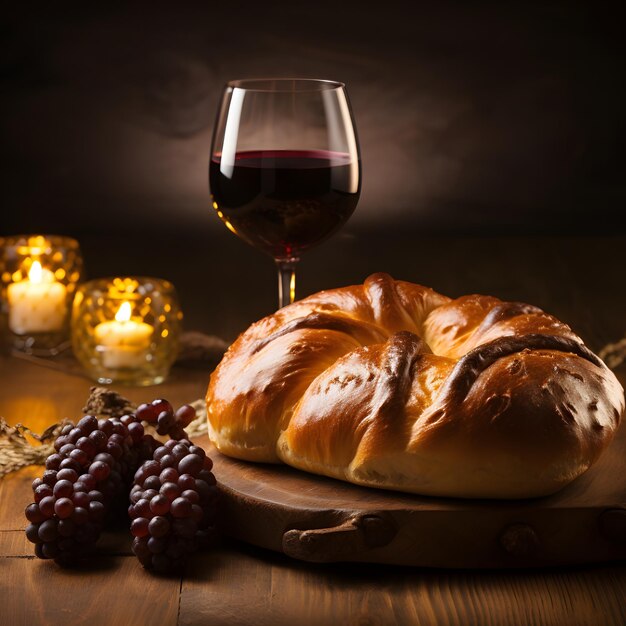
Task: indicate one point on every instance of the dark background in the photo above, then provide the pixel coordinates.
(476, 123)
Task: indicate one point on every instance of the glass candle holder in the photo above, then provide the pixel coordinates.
(39, 275)
(126, 330)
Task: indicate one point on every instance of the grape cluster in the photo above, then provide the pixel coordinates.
(172, 505)
(89, 475)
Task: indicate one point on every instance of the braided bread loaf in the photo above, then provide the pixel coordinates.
(389, 384)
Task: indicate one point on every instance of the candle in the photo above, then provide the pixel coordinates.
(37, 304)
(123, 342)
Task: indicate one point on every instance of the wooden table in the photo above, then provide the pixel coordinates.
(240, 584)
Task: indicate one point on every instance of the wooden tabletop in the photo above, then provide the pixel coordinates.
(240, 584)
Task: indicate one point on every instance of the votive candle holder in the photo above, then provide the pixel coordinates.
(39, 275)
(126, 329)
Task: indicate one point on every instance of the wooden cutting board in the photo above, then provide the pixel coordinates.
(320, 519)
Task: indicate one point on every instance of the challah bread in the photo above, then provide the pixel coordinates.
(391, 385)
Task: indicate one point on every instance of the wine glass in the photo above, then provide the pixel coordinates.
(285, 170)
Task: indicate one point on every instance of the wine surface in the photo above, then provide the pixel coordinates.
(285, 201)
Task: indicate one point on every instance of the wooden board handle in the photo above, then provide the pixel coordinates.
(354, 536)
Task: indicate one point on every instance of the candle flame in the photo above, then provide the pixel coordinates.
(35, 275)
(123, 313)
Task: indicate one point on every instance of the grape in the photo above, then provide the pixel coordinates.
(88, 423)
(99, 470)
(67, 474)
(53, 461)
(181, 507)
(185, 415)
(179, 516)
(34, 514)
(190, 464)
(90, 473)
(63, 508)
(161, 406)
(168, 475)
(42, 491)
(170, 490)
(159, 526)
(50, 477)
(159, 505)
(139, 527)
(32, 533)
(48, 530)
(46, 506)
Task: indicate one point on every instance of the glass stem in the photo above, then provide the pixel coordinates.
(286, 281)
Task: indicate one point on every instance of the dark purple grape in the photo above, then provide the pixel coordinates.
(98, 438)
(142, 508)
(185, 415)
(152, 482)
(147, 412)
(168, 475)
(71, 464)
(155, 545)
(97, 511)
(34, 514)
(181, 507)
(63, 508)
(81, 515)
(114, 449)
(159, 505)
(139, 527)
(53, 461)
(32, 533)
(74, 435)
(186, 481)
(165, 421)
(160, 405)
(170, 490)
(66, 449)
(168, 460)
(66, 527)
(87, 446)
(46, 506)
(50, 476)
(128, 419)
(151, 468)
(159, 526)
(81, 498)
(42, 492)
(140, 548)
(99, 470)
(191, 495)
(148, 494)
(48, 530)
(136, 431)
(63, 489)
(67, 474)
(88, 423)
(190, 464)
(88, 480)
(50, 550)
(104, 457)
(81, 457)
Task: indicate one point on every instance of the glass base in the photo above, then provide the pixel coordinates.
(40, 344)
(129, 378)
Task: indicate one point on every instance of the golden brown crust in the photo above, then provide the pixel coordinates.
(391, 385)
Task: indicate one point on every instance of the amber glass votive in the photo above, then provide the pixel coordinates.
(126, 330)
(39, 276)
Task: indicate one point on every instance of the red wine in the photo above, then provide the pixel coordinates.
(285, 201)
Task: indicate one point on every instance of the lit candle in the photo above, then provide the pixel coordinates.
(37, 304)
(123, 342)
